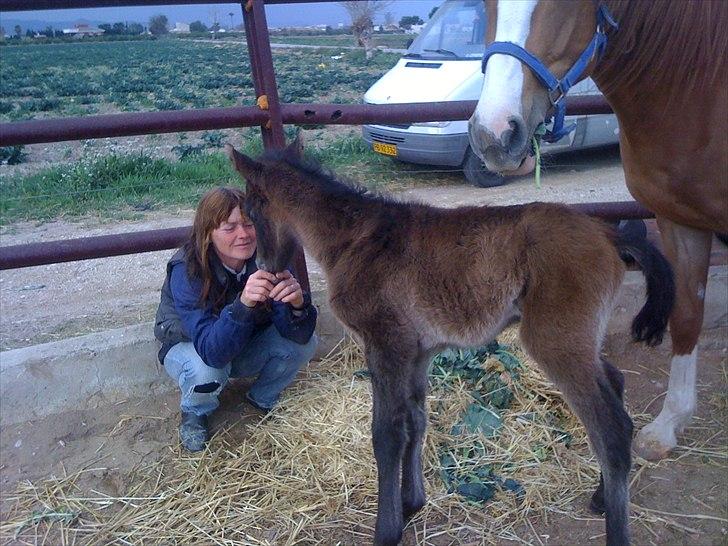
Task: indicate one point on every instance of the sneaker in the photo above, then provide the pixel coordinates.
(257, 406)
(193, 431)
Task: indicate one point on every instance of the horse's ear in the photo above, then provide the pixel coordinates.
(295, 148)
(246, 166)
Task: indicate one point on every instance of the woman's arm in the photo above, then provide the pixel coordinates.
(217, 339)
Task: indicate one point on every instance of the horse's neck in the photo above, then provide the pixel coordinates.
(325, 225)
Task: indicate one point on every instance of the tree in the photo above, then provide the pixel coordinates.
(407, 21)
(198, 26)
(18, 31)
(134, 28)
(106, 27)
(158, 25)
(362, 14)
(118, 28)
(432, 12)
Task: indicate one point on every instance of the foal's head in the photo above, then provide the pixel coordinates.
(265, 197)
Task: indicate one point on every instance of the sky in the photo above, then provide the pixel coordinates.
(328, 13)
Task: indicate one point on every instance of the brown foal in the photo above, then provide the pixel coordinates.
(409, 279)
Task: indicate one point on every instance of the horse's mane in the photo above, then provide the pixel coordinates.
(330, 184)
(676, 46)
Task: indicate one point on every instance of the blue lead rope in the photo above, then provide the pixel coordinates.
(557, 88)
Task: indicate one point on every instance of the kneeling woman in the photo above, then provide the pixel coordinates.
(221, 317)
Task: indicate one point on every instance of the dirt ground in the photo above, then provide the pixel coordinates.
(57, 301)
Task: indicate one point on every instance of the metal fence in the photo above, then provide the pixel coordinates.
(270, 115)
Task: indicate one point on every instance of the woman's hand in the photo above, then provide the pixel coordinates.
(258, 288)
(287, 290)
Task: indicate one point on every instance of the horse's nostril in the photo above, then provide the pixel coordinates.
(514, 138)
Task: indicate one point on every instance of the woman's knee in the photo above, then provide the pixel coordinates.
(303, 353)
(183, 363)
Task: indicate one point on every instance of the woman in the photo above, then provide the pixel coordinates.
(221, 317)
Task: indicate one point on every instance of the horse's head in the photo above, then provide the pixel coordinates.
(276, 240)
(515, 99)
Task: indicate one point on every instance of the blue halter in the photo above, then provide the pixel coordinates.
(557, 88)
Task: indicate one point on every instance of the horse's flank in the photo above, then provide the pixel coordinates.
(680, 47)
(375, 251)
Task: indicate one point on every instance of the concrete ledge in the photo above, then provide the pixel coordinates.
(100, 369)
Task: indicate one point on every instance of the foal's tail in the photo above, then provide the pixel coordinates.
(651, 322)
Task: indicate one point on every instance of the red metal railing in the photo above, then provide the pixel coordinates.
(270, 120)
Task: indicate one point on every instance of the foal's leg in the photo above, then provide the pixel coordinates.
(389, 438)
(688, 250)
(413, 488)
(594, 400)
(569, 359)
(616, 380)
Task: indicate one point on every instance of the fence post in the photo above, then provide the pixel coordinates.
(266, 92)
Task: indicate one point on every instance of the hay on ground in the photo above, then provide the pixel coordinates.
(305, 474)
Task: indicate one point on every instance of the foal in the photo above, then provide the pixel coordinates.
(409, 279)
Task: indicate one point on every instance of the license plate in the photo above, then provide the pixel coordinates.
(386, 149)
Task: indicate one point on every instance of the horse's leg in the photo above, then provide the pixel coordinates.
(389, 438)
(616, 380)
(569, 359)
(413, 488)
(688, 250)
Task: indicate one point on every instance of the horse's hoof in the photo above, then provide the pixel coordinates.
(596, 505)
(409, 510)
(392, 540)
(654, 444)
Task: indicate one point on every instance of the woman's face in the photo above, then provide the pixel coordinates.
(234, 240)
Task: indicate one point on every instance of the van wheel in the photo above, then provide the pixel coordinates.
(477, 174)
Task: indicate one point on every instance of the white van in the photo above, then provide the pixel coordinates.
(444, 64)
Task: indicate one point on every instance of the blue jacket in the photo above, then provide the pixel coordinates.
(219, 337)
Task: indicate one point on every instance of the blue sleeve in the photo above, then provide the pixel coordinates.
(217, 339)
(298, 329)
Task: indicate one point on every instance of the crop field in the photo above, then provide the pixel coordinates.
(38, 81)
(156, 171)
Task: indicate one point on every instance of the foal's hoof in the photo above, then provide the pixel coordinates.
(654, 443)
(409, 510)
(391, 540)
(596, 506)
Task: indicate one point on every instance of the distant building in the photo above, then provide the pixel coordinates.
(181, 28)
(83, 29)
(414, 29)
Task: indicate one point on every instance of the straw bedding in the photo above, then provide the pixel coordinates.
(305, 474)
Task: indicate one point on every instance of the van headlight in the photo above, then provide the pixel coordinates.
(439, 124)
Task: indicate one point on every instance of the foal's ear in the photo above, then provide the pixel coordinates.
(246, 166)
(295, 148)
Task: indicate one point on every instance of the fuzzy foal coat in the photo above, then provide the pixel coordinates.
(408, 279)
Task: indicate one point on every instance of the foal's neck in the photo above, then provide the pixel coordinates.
(329, 216)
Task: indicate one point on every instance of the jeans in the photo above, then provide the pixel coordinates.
(274, 359)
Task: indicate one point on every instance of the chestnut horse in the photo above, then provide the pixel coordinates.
(408, 279)
(662, 67)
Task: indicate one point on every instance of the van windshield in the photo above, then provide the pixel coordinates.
(456, 31)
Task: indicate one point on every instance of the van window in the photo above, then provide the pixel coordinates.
(456, 31)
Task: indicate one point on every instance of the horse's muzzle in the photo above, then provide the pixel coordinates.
(504, 152)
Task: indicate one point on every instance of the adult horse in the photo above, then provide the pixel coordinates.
(662, 67)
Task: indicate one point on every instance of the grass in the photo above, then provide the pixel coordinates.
(118, 184)
(111, 184)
